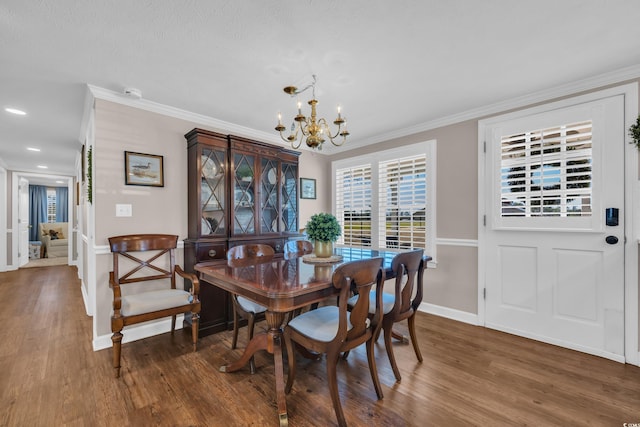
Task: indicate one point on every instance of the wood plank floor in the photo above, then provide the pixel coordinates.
(49, 375)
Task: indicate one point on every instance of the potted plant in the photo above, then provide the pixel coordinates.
(323, 229)
(634, 133)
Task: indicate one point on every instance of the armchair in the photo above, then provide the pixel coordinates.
(157, 267)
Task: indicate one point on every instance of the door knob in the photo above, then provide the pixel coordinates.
(612, 240)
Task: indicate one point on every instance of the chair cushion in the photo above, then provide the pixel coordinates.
(147, 302)
(388, 300)
(320, 324)
(250, 306)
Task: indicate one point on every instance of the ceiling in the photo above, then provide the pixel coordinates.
(392, 66)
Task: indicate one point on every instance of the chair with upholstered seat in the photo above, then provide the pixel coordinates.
(144, 265)
(408, 268)
(333, 330)
(243, 307)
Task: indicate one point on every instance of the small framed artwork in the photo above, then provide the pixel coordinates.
(307, 188)
(143, 169)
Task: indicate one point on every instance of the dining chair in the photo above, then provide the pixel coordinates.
(333, 329)
(243, 307)
(143, 264)
(408, 268)
(296, 248)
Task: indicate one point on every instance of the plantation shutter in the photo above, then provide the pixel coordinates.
(402, 197)
(353, 205)
(547, 172)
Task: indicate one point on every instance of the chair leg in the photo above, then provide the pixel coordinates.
(173, 324)
(373, 369)
(388, 331)
(116, 338)
(291, 357)
(195, 323)
(234, 342)
(252, 320)
(412, 332)
(332, 363)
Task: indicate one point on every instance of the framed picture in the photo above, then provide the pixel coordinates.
(143, 169)
(307, 188)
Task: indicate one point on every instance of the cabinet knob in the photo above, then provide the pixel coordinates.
(212, 253)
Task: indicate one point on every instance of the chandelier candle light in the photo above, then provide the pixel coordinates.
(313, 129)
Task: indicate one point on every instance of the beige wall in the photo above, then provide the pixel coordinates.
(318, 167)
(118, 129)
(454, 283)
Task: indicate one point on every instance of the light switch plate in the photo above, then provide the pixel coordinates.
(123, 210)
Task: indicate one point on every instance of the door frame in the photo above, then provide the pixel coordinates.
(14, 212)
(631, 197)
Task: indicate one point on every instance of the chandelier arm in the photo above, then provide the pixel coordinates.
(325, 126)
(291, 141)
(305, 129)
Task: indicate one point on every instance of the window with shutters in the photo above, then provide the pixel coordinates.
(384, 200)
(353, 204)
(547, 172)
(51, 205)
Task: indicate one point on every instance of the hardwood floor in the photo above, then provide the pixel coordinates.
(470, 376)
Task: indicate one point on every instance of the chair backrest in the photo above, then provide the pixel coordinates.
(408, 268)
(358, 276)
(296, 248)
(250, 251)
(247, 255)
(144, 269)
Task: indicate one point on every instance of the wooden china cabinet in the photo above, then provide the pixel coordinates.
(239, 191)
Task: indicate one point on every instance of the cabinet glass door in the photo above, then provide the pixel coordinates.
(212, 191)
(244, 202)
(269, 182)
(289, 195)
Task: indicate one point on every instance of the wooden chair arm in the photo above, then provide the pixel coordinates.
(115, 286)
(195, 290)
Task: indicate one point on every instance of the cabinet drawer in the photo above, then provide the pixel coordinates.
(209, 251)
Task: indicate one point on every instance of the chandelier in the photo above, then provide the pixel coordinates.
(314, 130)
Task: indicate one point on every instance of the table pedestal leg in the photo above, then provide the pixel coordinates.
(270, 341)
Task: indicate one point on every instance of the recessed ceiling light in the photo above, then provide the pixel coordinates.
(43, 167)
(15, 111)
(33, 149)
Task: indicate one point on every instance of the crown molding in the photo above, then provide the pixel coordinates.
(166, 110)
(613, 77)
(591, 83)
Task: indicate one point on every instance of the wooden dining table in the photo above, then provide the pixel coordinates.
(282, 286)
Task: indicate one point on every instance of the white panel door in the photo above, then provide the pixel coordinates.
(554, 266)
(23, 221)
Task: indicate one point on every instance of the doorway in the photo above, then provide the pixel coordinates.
(20, 242)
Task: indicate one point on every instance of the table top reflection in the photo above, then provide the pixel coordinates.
(286, 284)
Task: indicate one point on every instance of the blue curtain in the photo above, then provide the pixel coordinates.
(37, 209)
(62, 204)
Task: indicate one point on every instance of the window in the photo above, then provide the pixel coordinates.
(51, 205)
(402, 201)
(547, 172)
(353, 204)
(385, 200)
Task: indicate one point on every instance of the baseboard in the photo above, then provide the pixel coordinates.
(449, 313)
(134, 333)
(85, 299)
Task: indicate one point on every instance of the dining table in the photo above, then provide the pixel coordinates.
(283, 285)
